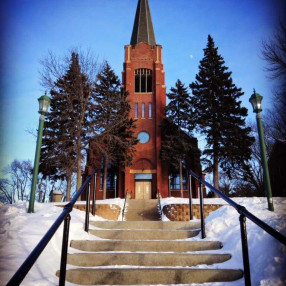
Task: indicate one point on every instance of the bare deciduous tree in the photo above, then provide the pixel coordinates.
(6, 193)
(248, 180)
(21, 176)
(16, 181)
(274, 52)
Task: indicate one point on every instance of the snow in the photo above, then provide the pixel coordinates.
(267, 255)
(56, 192)
(20, 232)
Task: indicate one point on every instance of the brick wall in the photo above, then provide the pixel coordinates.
(181, 212)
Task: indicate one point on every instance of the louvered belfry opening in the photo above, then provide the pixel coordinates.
(143, 80)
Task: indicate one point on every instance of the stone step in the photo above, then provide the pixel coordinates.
(136, 203)
(144, 259)
(144, 245)
(144, 276)
(179, 225)
(142, 210)
(142, 216)
(144, 234)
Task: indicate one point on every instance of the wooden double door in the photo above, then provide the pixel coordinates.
(143, 190)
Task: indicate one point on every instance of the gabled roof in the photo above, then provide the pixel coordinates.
(143, 28)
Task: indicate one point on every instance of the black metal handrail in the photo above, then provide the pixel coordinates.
(190, 198)
(64, 216)
(159, 203)
(244, 213)
(123, 210)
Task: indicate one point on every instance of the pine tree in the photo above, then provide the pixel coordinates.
(176, 145)
(115, 140)
(218, 114)
(58, 156)
(179, 106)
(68, 124)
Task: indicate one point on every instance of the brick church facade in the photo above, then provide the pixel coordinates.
(143, 77)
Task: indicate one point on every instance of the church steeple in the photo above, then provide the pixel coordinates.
(143, 27)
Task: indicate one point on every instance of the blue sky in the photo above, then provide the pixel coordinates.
(30, 28)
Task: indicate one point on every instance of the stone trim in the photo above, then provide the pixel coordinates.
(154, 171)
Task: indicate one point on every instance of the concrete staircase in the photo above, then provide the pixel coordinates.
(142, 210)
(145, 253)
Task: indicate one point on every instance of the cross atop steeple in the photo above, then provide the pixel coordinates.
(143, 27)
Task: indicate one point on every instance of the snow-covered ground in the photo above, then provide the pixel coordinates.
(267, 255)
(20, 232)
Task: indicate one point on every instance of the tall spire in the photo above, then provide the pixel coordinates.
(143, 27)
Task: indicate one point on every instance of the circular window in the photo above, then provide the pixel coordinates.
(143, 137)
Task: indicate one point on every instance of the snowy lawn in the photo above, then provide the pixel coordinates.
(20, 232)
(267, 255)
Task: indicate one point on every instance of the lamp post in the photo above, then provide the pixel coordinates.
(44, 103)
(255, 101)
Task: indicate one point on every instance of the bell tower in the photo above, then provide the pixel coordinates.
(143, 77)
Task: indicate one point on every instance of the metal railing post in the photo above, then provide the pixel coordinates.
(159, 204)
(190, 197)
(169, 181)
(123, 210)
(87, 209)
(244, 244)
(93, 194)
(62, 278)
(115, 186)
(202, 211)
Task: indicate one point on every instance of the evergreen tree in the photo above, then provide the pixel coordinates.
(115, 140)
(219, 115)
(179, 107)
(176, 145)
(68, 125)
(58, 156)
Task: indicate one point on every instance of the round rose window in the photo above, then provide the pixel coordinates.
(143, 137)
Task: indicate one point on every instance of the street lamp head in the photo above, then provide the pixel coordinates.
(44, 104)
(255, 101)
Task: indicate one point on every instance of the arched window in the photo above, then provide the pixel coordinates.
(143, 80)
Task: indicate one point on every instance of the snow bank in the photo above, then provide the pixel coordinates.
(267, 255)
(20, 232)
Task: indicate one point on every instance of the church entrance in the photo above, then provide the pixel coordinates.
(143, 186)
(143, 190)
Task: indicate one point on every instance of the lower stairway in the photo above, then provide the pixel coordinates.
(146, 253)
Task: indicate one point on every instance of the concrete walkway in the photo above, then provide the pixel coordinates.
(142, 210)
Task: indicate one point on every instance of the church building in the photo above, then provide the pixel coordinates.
(143, 77)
